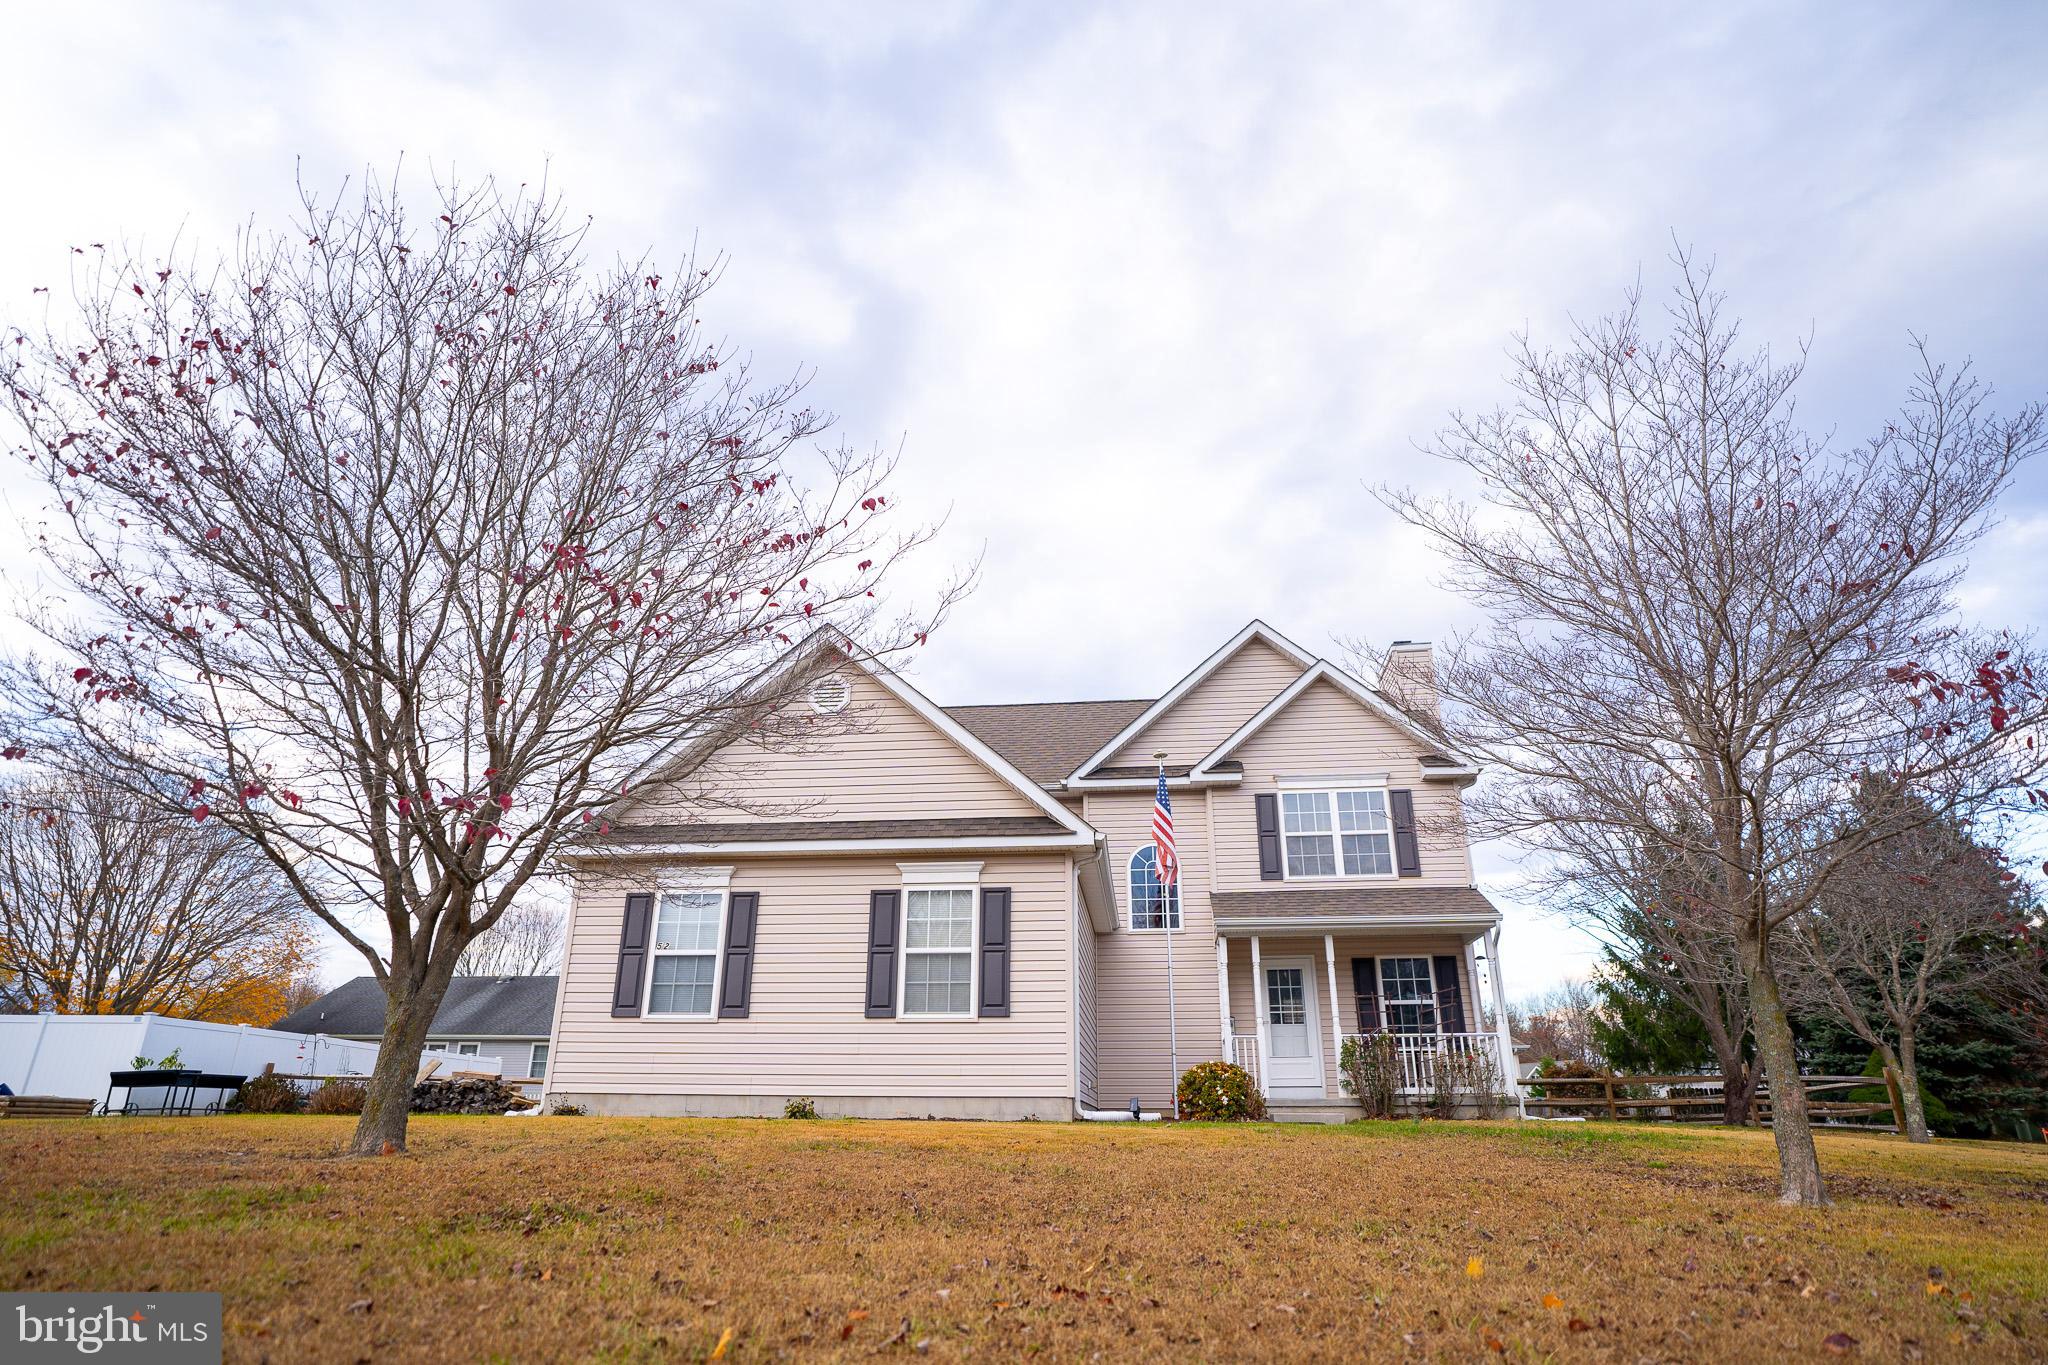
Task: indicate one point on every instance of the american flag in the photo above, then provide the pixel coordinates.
(1162, 833)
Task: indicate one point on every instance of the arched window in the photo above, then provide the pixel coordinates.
(1152, 906)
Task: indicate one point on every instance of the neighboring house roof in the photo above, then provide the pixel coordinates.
(1047, 739)
(475, 1007)
(1309, 906)
(772, 831)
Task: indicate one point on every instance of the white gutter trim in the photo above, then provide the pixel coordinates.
(664, 848)
(1150, 783)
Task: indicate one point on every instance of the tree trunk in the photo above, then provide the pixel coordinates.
(1909, 1091)
(408, 1018)
(1738, 1088)
(1798, 1162)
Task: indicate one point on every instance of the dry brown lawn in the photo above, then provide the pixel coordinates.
(587, 1238)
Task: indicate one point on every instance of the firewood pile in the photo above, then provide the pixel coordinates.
(466, 1095)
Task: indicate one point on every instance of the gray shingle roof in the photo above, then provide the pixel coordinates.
(762, 831)
(475, 1007)
(1047, 740)
(1310, 902)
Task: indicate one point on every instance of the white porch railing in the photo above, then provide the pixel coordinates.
(1420, 1055)
(1244, 1050)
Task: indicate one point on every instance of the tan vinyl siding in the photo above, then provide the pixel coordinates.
(1130, 967)
(807, 1034)
(1214, 708)
(889, 764)
(1243, 1007)
(1084, 1003)
(1325, 731)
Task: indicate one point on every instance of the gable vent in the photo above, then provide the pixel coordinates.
(830, 694)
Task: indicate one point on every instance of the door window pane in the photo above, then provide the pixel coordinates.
(1286, 996)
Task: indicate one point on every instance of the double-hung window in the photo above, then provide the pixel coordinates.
(938, 952)
(537, 1064)
(685, 952)
(1408, 994)
(1337, 833)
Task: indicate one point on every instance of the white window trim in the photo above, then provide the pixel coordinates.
(1337, 833)
(1176, 904)
(1436, 1013)
(532, 1048)
(940, 877)
(475, 1049)
(680, 887)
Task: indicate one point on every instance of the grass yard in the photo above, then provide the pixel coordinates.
(569, 1238)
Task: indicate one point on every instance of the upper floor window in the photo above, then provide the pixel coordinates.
(1152, 905)
(1337, 833)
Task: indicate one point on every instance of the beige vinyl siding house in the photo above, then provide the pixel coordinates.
(922, 911)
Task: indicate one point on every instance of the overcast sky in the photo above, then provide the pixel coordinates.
(1147, 294)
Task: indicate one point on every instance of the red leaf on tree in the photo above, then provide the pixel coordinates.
(200, 812)
(213, 533)
(80, 674)
(505, 802)
(198, 786)
(865, 564)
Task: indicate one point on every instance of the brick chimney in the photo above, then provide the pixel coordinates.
(1409, 677)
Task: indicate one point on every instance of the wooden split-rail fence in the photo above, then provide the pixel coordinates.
(1614, 1096)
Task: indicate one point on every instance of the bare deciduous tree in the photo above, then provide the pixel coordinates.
(110, 905)
(1558, 1023)
(526, 941)
(400, 547)
(1919, 920)
(1705, 624)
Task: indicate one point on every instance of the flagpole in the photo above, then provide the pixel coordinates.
(1170, 895)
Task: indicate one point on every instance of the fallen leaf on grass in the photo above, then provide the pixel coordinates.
(724, 1340)
(359, 1306)
(1552, 1302)
(1578, 1325)
(1495, 1344)
(548, 1274)
(1935, 1288)
(856, 1316)
(1838, 1344)
(1475, 1267)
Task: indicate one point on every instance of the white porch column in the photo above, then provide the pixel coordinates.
(1259, 1008)
(1509, 1068)
(1336, 1021)
(1223, 992)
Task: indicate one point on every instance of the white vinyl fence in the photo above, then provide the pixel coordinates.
(72, 1054)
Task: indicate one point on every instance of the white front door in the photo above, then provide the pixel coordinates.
(1294, 1054)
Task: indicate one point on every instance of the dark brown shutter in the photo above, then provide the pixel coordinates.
(628, 986)
(736, 982)
(882, 953)
(1407, 855)
(995, 953)
(1268, 807)
(1365, 984)
(1450, 1000)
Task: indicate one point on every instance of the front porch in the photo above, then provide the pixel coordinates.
(1291, 1000)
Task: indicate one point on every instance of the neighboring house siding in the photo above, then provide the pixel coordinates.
(1084, 1003)
(807, 1034)
(1216, 706)
(1349, 944)
(890, 765)
(1323, 731)
(1130, 967)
